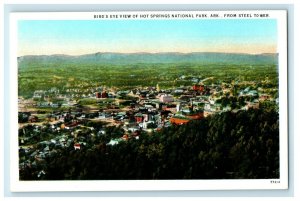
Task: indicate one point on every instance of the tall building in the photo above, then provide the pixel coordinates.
(157, 87)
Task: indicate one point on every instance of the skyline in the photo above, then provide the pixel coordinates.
(48, 37)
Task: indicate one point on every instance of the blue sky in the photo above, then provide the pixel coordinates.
(36, 37)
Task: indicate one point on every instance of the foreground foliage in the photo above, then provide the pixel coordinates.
(242, 145)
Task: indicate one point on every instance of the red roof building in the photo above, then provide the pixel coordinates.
(198, 87)
(139, 117)
(76, 146)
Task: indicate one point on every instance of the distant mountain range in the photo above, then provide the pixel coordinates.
(135, 58)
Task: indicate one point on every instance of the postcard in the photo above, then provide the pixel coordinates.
(168, 100)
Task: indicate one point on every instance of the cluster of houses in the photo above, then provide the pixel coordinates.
(152, 105)
(134, 111)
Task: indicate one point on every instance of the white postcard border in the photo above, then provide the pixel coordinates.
(142, 185)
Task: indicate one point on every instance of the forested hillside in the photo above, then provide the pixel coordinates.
(241, 145)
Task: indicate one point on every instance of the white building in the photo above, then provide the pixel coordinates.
(166, 98)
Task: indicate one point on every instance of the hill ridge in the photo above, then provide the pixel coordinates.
(145, 57)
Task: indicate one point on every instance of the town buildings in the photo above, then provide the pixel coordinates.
(54, 120)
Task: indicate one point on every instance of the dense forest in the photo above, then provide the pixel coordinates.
(230, 145)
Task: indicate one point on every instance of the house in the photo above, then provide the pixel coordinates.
(122, 93)
(254, 105)
(53, 141)
(139, 117)
(226, 109)
(62, 141)
(102, 94)
(40, 156)
(166, 98)
(147, 123)
(178, 91)
(151, 96)
(23, 116)
(125, 137)
(206, 113)
(253, 93)
(195, 80)
(171, 107)
(71, 125)
(149, 107)
(133, 129)
(264, 97)
(198, 87)
(77, 146)
(41, 173)
(34, 154)
(101, 132)
(46, 149)
(38, 94)
(33, 119)
(121, 116)
(113, 142)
